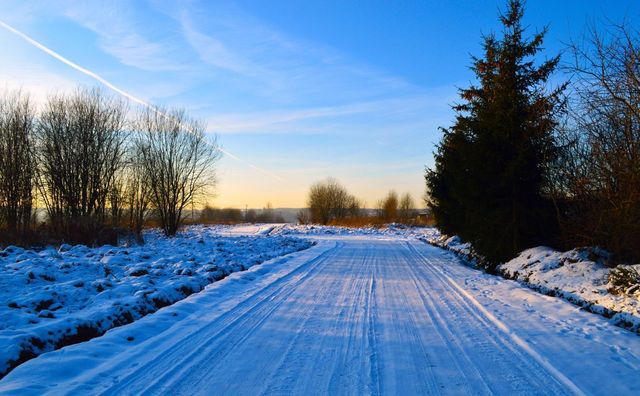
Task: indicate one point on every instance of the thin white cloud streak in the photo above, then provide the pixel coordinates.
(116, 89)
(121, 34)
(264, 121)
(215, 53)
(263, 171)
(274, 65)
(73, 65)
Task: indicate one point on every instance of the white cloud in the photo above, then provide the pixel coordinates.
(121, 31)
(282, 68)
(416, 109)
(214, 52)
(224, 48)
(120, 34)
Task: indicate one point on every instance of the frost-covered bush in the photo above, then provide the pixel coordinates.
(624, 279)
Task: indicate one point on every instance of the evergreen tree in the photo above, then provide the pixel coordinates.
(491, 169)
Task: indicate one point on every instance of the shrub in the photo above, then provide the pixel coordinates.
(624, 279)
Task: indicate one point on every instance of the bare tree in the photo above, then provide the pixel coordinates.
(178, 162)
(117, 198)
(137, 189)
(81, 151)
(599, 177)
(250, 216)
(266, 215)
(354, 207)
(388, 207)
(319, 203)
(406, 208)
(303, 216)
(17, 165)
(329, 200)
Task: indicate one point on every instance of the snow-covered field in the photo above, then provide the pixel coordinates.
(372, 312)
(579, 276)
(55, 297)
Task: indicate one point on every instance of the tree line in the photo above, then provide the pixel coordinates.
(96, 167)
(526, 163)
(235, 216)
(329, 202)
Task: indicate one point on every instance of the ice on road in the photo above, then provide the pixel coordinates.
(352, 315)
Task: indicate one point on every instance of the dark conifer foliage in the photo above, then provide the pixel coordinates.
(491, 168)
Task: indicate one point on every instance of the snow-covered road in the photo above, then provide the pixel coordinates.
(352, 315)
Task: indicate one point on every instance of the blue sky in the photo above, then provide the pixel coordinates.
(302, 90)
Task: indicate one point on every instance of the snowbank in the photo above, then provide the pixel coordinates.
(291, 229)
(455, 244)
(579, 276)
(395, 230)
(56, 297)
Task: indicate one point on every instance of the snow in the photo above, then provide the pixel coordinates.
(54, 297)
(289, 229)
(373, 311)
(579, 276)
(389, 231)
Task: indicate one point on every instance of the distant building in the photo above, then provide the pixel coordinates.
(424, 217)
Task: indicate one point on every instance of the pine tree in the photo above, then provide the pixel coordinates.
(491, 168)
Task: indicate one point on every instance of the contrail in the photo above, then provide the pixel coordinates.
(263, 171)
(118, 90)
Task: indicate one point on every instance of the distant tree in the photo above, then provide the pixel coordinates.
(17, 164)
(231, 215)
(406, 208)
(222, 216)
(208, 214)
(250, 216)
(266, 215)
(491, 175)
(178, 161)
(329, 200)
(303, 216)
(388, 207)
(354, 207)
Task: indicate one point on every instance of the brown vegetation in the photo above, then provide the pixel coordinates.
(176, 159)
(211, 215)
(329, 201)
(331, 204)
(80, 149)
(17, 167)
(598, 176)
(95, 171)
